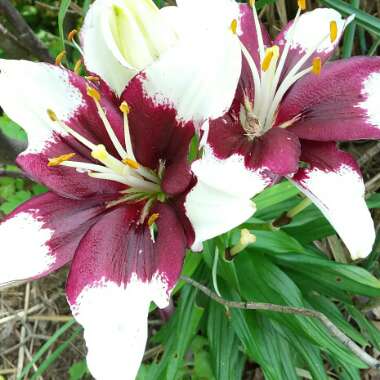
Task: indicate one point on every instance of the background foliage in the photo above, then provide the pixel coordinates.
(302, 264)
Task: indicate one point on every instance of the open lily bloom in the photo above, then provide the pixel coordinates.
(116, 164)
(289, 111)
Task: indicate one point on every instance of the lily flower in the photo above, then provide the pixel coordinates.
(289, 111)
(118, 175)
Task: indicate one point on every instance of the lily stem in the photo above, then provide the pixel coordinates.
(338, 334)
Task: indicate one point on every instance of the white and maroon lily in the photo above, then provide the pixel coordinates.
(116, 165)
(289, 111)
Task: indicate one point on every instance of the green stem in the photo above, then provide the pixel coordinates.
(299, 208)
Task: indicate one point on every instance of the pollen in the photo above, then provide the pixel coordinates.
(60, 57)
(131, 163)
(100, 153)
(252, 3)
(152, 219)
(52, 115)
(92, 78)
(333, 31)
(56, 161)
(72, 35)
(317, 66)
(124, 107)
(234, 25)
(271, 53)
(93, 93)
(302, 4)
(78, 66)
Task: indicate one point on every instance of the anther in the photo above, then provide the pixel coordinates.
(72, 35)
(131, 163)
(56, 161)
(333, 31)
(270, 53)
(152, 219)
(94, 94)
(234, 25)
(52, 115)
(100, 153)
(92, 78)
(302, 4)
(124, 107)
(317, 66)
(252, 3)
(60, 57)
(78, 66)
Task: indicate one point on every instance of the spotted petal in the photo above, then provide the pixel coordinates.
(117, 271)
(41, 235)
(334, 183)
(26, 99)
(311, 34)
(330, 107)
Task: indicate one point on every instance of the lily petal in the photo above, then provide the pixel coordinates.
(198, 77)
(113, 279)
(26, 100)
(41, 236)
(157, 133)
(330, 107)
(334, 183)
(221, 198)
(312, 32)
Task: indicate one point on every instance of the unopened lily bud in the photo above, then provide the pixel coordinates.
(140, 46)
(246, 238)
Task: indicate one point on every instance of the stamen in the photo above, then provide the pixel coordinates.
(95, 95)
(60, 57)
(234, 25)
(72, 35)
(271, 53)
(83, 166)
(129, 181)
(78, 66)
(53, 117)
(255, 74)
(56, 161)
(92, 78)
(317, 66)
(124, 107)
(333, 31)
(152, 219)
(131, 163)
(267, 60)
(259, 32)
(302, 5)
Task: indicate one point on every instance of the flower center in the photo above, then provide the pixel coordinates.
(142, 183)
(270, 86)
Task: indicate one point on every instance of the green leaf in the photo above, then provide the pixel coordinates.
(15, 200)
(52, 340)
(78, 370)
(63, 8)
(224, 344)
(264, 282)
(11, 129)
